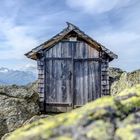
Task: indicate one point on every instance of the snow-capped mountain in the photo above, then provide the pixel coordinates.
(18, 77)
(3, 70)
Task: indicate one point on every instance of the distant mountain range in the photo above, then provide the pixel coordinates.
(18, 77)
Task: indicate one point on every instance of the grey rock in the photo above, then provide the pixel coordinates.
(17, 104)
(120, 80)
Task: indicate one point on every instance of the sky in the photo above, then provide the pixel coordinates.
(25, 24)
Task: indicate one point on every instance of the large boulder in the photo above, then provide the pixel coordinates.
(17, 104)
(122, 80)
(107, 118)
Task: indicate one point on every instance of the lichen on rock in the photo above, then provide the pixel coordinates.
(107, 118)
(122, 80)
(17, 104)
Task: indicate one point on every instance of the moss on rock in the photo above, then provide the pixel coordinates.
(130, 132)
(101, 130)
(96, 120)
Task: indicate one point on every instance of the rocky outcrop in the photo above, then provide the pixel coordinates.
(17, 104)
(114, 74)
(121, 80)
(32, 86)
(29, 121)
(107, 118)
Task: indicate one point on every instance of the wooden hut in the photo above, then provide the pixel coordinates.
(72, 70)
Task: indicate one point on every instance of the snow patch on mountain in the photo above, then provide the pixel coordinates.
(18, 77)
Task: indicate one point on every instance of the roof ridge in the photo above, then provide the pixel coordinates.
(71, 26)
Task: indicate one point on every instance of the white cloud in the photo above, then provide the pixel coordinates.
(29, 67)
(125, 44)
(96, 6)
(16, 38)
(121, 34)
(119, 38)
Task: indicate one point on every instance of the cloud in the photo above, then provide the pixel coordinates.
(32, 67)
(96, 6)
(16, 39)
(125, 44)
(120, 33)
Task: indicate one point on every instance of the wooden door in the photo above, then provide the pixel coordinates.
(87, 81)
(87, 73)
(58, 81)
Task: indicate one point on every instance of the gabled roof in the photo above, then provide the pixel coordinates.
(70, 27)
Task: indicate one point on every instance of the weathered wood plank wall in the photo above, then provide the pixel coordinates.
(104, 74)
(41, 80)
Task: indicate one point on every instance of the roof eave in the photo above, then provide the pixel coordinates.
(31, 55)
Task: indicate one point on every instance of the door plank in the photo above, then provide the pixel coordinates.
(85, 82)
